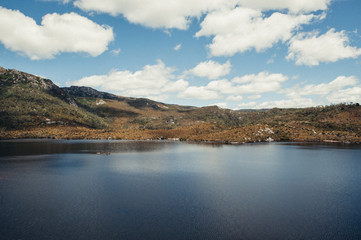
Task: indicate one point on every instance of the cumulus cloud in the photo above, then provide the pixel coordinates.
(311, 49)
(323, 88)
(175, 86)
(155, 13)
(211, 69)
(261, 77)
(287, 103)
(248, 84)
(259, 83)
(201, 93)
(220, 105)
(247, 105)
(179, 13)
(294, 6)
(153, 81)
(256, 96)
(340, 90)
(284, 103)
(234, 98)
(68, 32)
(241, 29)
(346, 95)
(224, 86)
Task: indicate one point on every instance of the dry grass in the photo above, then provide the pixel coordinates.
(28, 112)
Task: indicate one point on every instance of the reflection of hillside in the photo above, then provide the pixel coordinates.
(41, 147)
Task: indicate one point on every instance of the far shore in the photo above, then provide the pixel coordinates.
(201, 134)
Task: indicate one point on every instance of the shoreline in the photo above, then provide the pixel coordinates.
(206, 133)
(180, 140)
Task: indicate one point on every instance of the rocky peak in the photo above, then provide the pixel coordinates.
(139, 103)
(2, 70)
(11, 77)
(89, 92)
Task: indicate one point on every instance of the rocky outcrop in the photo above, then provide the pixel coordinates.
(89, 92)
(2, 70)
(11, 77)
(143, 103)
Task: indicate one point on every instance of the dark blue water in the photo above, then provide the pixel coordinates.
(164, 190)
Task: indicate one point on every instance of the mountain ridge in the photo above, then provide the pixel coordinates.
(32, 106)
(12, 76)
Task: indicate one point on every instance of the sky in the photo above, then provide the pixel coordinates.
(236, 54)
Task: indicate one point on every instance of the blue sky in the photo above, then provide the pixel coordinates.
(231, 53)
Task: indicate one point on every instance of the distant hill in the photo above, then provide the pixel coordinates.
(32, 106)
(87, 92)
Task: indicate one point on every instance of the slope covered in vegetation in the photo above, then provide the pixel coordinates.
(29, 101)
(35, 107)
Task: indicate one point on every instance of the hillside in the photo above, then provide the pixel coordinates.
(29, 101)
(32, 106)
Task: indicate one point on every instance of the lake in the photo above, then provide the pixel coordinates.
(84, 189)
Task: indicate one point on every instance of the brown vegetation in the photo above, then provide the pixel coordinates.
(32, 107)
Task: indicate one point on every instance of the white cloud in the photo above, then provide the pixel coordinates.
(168, 32)
(176, 86)
(247, 105)
(270, 61)
(179, 13)
(198, 93)
(293, 5)
(288, 103)
(261, 77)
(311, 49)
(259, 83)
(156, 13)
(62, 1)
(234, 98)
(159, 98)
(346, 95)
(211, 69)
(158, 81)
(323, 88)
(69, 32)
(178, 47)
(220, 105)
(153, 81)
(241, 29)
(223, 86)
(115, 52)
(248, 84)
(257, 96)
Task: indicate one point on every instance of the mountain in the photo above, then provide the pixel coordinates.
(32, 106)
(14, 77)
(28, 100)
(87, 92)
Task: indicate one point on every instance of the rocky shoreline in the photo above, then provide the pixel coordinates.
(201, 134)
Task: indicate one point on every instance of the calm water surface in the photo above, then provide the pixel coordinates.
(53, 189)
